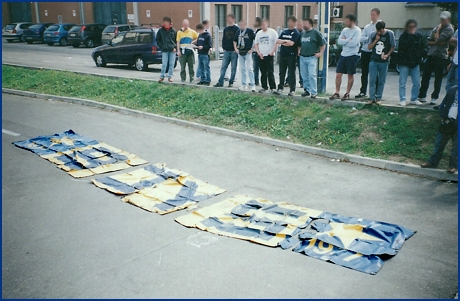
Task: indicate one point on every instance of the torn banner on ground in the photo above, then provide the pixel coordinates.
(351, 242)
(173, 194)
(138, 179)
(78, 155)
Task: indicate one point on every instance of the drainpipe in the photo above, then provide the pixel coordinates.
(257, 13)
(37, 12)
(136, 13)
(296, 10)
(247, 12)
(82, 12)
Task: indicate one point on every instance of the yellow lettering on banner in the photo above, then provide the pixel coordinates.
(351, 257)
(311, 244)
(323, 250)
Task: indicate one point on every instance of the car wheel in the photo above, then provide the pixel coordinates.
(50, 44)
(63, 42)
(100, 61)
(89, 43)
(10, 40)
(75, 45)
(140, 64)
(29, 42)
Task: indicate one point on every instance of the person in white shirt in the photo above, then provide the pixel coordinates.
(366, 53)
(265, 45)
(349, 39)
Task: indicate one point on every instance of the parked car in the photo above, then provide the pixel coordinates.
(35, 32)
(13, 31)
(111, 31)
(86, 34)
(136, 47)
(57, 33)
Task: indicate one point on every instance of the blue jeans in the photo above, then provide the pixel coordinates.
(377, 72)
(441, 142)
(452, 77)
(308, 67)
(246, 65)
(203, 68)
(229, 57)
(167, 61)
(414, 73)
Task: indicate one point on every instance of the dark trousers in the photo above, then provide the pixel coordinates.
(365, 60)
(267, 72)
(300, 74)
(255, 62)
(437, 66)
(287, 63)
(441, 142)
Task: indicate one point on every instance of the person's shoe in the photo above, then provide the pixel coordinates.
(257, 84)
(360, 95)
(416, 103)
(230, 85)
(346, 96)
(192, 81)
(161, 80)
(286, 84)
(422, 99)
(427, 165)
(273, 91)
(378, 102)
(402, 103)
(314, 95)
(218, 85)
(263, 90)
(170, 80)
(277, 92)
(305, 94)
(433, 101)
(452, 170)
(253, 89)
(436, 107)
(335, 96)
(206, 84)
(243, 88)
(370, 101)
(291, 94)
(200, 83)
(182, 81)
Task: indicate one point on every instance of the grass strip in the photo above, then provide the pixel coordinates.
(378, 132)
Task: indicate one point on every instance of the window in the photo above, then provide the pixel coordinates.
(67, 27)
(288, 11)
(130, 38)
(237, 10)
(265, 11)
(145, 38)
(123, 28)
(221, 13)
(306, 12)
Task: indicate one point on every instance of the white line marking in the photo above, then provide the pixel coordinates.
(10, 133)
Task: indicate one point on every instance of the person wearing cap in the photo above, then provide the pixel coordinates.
(437, 59)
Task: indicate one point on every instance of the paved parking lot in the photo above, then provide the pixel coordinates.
(69, 58)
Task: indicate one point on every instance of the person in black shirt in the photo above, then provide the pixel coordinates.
(204, 43)
(257, 28)
(288, 55)
(230, 56)
(410, 50)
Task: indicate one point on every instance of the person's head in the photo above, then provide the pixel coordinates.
(167, 21)
(231, 19)
(205, 24)
(185, 24)
(375, 14)
(243, 24)
(411, 26)
(445, 17)
(199, 28)
(350, 20)
(265, 24)
(307, 24)
(257, 22)
(380, 27)
(299, 25)
(291, 21)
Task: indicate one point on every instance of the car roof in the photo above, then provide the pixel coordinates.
(144, 29)
(115, 25)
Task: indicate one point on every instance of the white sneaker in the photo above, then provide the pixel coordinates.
(433, 101)
(416, 103)
(423, 99)
(253, 89)
(243, 88)
(402, 103)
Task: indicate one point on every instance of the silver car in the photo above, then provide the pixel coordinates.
(13, 31)
(111, 31)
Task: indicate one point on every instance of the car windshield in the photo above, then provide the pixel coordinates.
(53, 28)
(109, 29)
(36, 26)
(10, 26)
(118, 39)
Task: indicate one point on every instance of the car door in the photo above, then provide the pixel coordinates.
(110, 52)
(126, 52)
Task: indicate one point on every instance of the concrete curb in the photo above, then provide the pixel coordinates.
(437, 174)
(319, 99)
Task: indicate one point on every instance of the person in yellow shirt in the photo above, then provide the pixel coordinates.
(186, 37)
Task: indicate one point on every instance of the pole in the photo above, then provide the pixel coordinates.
(324, 9)
(82, 12)
(37, 12)
(216, 43)
(136, 13)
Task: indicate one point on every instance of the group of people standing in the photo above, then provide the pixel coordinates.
(253, 50)
(376, 43)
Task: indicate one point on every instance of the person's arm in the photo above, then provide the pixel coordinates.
(272, 53)
(363, 38)
(453, 40)
(159, 40)
(354, 41)
(393, 46)
(342, 40)
(178, 48)
(372, 44)
(403, 45)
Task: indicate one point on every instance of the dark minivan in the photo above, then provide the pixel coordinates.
(35, 32)
(85, 34)
(136, 47)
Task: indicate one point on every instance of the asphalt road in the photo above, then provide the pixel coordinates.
(79, 59)
(66, 238)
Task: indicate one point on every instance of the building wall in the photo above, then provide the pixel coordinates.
(176, 10)
(395, 14)
(54, 9)
(5, 14)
